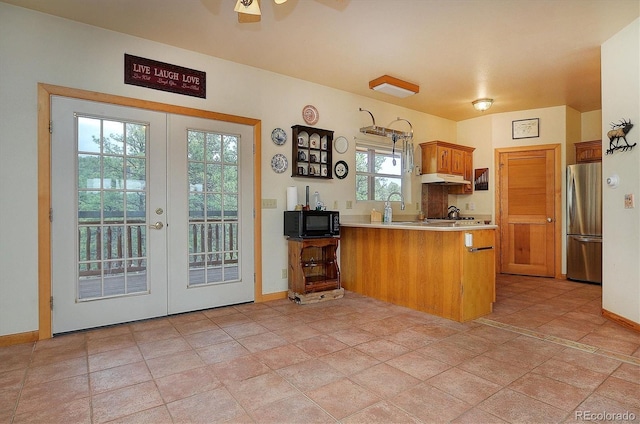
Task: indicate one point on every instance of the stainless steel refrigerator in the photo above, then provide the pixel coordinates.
(584, 222)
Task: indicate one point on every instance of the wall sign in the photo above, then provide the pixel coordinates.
(164, 76)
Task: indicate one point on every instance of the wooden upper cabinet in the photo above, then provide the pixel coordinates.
(445, 158)
(436, 158)
(589, 151)
(448, 158)
(457, 161)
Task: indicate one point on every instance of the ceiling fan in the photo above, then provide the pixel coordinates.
(249, 10)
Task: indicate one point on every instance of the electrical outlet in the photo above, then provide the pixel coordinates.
(349, 204)
(472, 206)
(269, 203)
(417, 206)
(629, 201)
(466, 206)
(284, 273)
(335, 204)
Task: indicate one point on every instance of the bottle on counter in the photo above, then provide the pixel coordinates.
(388, 212)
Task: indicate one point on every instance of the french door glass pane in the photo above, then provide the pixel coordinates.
(112, 210)
(213, 207)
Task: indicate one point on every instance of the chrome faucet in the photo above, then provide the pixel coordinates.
(401, 198)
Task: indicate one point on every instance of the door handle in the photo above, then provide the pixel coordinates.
(478, 249)
(157, 226)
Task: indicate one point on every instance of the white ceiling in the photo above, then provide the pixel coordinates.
(525, 54)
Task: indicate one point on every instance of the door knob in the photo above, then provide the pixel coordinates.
(157, 226)
(548, 220)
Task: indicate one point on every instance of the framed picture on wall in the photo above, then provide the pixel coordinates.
(481, 179)
(525, 128)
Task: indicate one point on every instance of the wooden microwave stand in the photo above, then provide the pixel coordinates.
(313, 274)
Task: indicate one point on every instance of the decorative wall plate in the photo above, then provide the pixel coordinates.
(341, 144)
(279, 136)
(310, 115)
(341, 169)
(279, 163)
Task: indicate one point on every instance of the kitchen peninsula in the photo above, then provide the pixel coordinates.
(421, 265)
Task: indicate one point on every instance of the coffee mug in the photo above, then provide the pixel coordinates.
(302, 156)
(314, 158)
(301, 170)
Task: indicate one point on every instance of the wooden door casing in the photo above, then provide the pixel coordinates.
(528, 210)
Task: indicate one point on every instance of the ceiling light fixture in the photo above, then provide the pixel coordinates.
(249, 7)
(482, 104)
(394, 86)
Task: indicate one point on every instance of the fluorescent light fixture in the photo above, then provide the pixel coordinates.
(394, 86)
(250, 7)
(482, 104)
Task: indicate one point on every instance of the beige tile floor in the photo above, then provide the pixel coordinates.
(544, 355)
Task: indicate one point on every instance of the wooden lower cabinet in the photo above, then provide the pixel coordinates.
(313, 265)
(430, 271)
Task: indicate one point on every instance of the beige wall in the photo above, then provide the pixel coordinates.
(621, 227)
(490, 132)
(591, 125)
(35, 48)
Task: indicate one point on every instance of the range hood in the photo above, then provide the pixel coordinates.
(443, 179)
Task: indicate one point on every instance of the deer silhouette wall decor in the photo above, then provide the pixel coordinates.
(619, 131)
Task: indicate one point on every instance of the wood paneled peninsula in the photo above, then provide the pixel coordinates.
(426, 267)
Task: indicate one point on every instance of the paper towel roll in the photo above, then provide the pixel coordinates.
(292, 198)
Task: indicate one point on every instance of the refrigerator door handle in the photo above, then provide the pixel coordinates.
(570, 198)
(587, 239)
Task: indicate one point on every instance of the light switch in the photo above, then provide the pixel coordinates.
(269, 203)
(629, 202)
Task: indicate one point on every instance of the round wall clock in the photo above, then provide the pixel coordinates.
(310, 115)
(341, 169)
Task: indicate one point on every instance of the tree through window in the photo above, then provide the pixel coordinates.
(376, 174)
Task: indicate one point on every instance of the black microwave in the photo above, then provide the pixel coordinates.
(301, 224)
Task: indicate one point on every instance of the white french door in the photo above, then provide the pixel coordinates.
(211, 210)
(137, 234)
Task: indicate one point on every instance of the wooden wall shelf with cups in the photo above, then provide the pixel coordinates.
(311, 152)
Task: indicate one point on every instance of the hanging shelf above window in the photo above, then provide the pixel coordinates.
(404, 137)
(386, 132)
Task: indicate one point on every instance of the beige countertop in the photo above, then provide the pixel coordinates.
(427, 225)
